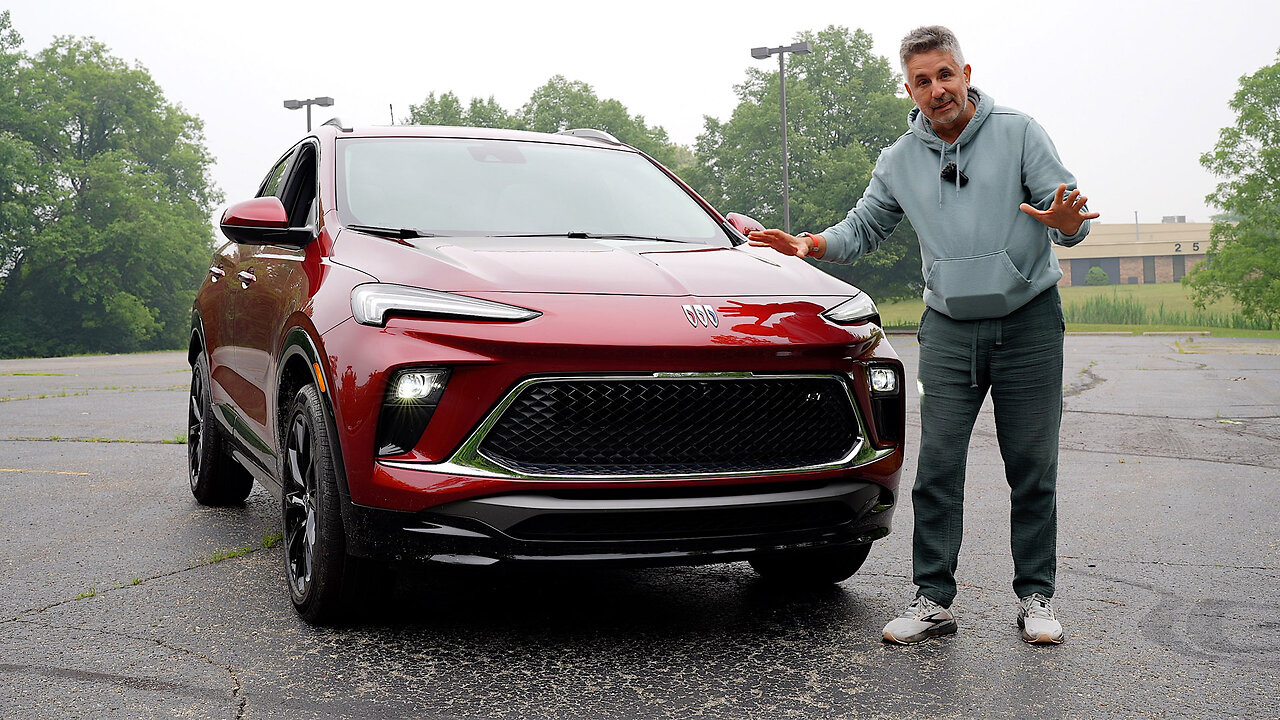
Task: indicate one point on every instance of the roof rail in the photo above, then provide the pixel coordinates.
(336, 123)
(592, 134)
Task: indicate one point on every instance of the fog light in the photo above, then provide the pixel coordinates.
(420, 385)
(883, 380)
(407, 407)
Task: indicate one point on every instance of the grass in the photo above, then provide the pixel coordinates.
(37, 374)
(221, 555)
(1158, 307)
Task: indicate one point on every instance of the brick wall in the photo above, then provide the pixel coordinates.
(1130, 267)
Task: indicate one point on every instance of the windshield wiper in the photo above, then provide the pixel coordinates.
(582, 235)
(401, 233)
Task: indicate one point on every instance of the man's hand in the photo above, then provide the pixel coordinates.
(787, 244)
(1067, 213)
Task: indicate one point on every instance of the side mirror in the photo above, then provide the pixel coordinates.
(742, 223)
(263, 221)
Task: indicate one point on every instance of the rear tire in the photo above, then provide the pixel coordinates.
(216, 478)
(809, 567)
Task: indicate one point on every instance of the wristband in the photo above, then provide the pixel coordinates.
(812, 249)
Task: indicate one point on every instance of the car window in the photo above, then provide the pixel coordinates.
(467, 187)
(299, 190)
(271, 184)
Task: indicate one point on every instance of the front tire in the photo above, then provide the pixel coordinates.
(809, 567)
(315, 544)
(216, 479)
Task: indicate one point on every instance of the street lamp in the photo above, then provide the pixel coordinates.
(761, 53)
(295, 104)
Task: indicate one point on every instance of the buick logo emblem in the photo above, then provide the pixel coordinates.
(703, 315)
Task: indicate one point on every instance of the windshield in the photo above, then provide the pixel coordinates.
(448, 186)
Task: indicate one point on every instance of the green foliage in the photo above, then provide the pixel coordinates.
(842, 109)
(104, 204)
(1244, 256)
(558, 105)
(448, 110)
(1097, 276)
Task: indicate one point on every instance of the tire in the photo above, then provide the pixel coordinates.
(821, 566)
(314, 542)
(216, 478)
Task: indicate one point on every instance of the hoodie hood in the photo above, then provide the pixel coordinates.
(922, 130)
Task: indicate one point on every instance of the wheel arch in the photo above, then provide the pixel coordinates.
(195, 345)
(302, 363)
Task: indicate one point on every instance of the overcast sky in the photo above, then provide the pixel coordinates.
(1132, 92)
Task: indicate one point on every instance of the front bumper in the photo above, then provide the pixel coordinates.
(636, 525)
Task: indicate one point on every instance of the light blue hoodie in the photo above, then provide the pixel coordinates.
(982, 256)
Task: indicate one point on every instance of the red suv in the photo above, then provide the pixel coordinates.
(469, 346)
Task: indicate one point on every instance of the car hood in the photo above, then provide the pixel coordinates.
(588, 266)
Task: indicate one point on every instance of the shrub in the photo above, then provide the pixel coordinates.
(1097, 276)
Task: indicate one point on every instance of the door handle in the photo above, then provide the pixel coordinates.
(246, 277)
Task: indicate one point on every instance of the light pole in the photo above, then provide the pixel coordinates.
(295, 104)
(761, 53)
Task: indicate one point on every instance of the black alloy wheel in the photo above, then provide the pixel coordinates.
(314, 543)
(216, 479)
(808, 567)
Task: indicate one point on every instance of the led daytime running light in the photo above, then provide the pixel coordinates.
(371, 303)
(857, 309)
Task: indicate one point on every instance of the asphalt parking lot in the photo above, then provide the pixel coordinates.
(120, 597)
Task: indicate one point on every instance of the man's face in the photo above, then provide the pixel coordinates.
(939, 87)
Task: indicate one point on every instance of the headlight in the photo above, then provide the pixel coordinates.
(371, 303)
(858, 309)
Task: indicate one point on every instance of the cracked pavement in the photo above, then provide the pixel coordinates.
(114, 602)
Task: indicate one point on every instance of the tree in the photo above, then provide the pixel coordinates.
(1097, 276)
(106, 235)
(1244, 256)
(843, 107)
(448, 110)
(558, 105)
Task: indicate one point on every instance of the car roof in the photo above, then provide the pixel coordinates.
(587, 138)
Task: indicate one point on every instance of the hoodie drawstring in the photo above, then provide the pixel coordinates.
(942, 163)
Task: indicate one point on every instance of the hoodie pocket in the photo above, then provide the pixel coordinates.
(984, 286)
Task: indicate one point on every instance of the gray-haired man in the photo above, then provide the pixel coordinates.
(987, 195)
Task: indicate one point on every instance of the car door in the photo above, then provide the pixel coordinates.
(273, 285)
(248, 411)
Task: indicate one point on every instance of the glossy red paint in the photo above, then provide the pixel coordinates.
(258, 212)
(606, 306)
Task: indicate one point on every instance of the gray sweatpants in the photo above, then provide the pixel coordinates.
(1019, 359)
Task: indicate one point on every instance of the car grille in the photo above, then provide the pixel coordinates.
(674, 426)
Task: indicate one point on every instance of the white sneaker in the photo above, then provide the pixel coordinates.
(1035, 617)
(922, 620)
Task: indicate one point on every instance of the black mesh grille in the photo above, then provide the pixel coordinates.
(674, 426)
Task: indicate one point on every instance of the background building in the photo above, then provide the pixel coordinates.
(1137, 253)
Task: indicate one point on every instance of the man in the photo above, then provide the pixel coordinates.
(987, 194)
